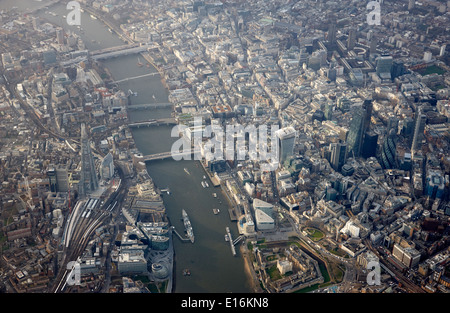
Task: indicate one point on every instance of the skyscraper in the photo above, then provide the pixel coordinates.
(388, 156)
(332, 30)
(58, 179)
(107, 167)
(88, 176)
(384, 66)
(373, 45)
(338, 155)
(62, 179)
(351, 41)
(359, 125)
(51, 173)
(60, 36)
(286, 140)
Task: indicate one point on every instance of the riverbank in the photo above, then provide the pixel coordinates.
(252, 278)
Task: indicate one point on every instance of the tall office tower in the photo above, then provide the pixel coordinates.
(88, 176)
(60, 36)
(332, 29)
(384, 66)
(51, 173)
(388, 153)
(359, 125)
(286, 140)
(442, 51)
(351, 41)
(107, 167)
(373, 45)
(58, 179)
(62, 179)
(398, 69)
(419, 127)
(338, 155)
(435, 185)
(328, 110)
(407, 129)
(427, 56)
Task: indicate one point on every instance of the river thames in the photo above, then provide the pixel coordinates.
(210, 261)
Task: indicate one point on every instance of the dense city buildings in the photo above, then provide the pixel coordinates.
(316, 133)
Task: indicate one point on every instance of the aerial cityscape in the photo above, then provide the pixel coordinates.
(224, 146)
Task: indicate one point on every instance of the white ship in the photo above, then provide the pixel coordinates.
(188, 226)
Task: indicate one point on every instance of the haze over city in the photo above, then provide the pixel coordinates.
(219, 146)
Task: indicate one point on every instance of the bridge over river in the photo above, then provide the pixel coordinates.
(153, 122)
(170, 154)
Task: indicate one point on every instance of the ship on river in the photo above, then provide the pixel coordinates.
(188, 226)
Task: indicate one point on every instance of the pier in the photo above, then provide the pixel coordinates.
(233, 249)
(178, 235)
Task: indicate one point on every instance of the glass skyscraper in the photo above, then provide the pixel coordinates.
(388, 157)
(286, 140)
(338, 155)
(359, 125)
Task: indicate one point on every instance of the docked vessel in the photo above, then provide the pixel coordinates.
(93, 17)
(188, 226)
